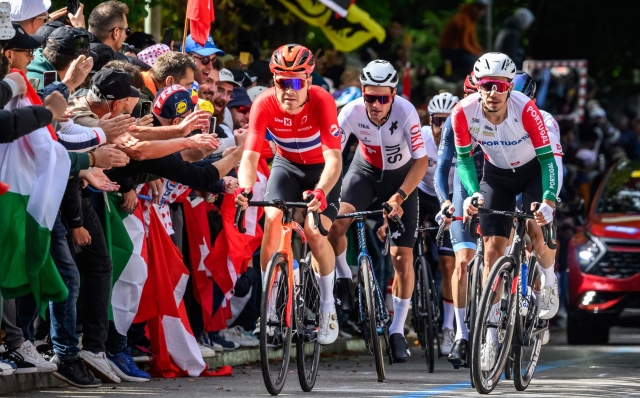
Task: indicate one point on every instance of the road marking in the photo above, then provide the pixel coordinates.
(447, 388)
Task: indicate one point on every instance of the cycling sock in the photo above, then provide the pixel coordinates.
(326, 292)
(263, 281)
(549, 275)
(448, 314)
(462, 331)
(342, 268)
(400, 310)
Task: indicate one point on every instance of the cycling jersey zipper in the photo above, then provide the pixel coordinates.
(381, 149)
(502, 148)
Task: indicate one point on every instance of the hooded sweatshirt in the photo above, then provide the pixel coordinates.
(38, 66)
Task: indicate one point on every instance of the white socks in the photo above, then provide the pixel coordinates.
(549, 275)
(342, 268)
(448, 314)
(400, 310)
(326, 292)
(462, 332)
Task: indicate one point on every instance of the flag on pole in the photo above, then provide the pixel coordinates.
(36, 169)
(200, 14)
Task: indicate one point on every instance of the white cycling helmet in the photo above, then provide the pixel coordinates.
(494, 65)
(379, 73)
(442, 103)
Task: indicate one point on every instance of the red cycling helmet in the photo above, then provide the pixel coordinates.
(469, 84)
(292, 58)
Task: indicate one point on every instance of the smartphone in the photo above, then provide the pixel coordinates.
(35, 82)
(145, 108)
(212, 124)
(168, 37)
(72, 6)
(81, 44)
(49, 77)
(125, 48)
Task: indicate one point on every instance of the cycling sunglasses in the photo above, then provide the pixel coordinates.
(287, 83)
(489, 85)
(243, 109)
(438, 120)
(382, 99)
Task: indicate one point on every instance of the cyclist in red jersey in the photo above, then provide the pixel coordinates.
(303, 122)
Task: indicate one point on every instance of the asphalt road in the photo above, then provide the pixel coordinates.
(563, 371)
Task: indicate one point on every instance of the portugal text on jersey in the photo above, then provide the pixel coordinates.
(391, 145)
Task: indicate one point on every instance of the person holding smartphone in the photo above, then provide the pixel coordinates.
(19, 50)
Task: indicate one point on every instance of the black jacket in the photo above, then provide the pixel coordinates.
(20, 121)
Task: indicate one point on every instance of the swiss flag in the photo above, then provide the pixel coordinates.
(200, 14)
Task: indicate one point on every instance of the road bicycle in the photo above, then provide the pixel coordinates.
(289, 307)
(373, 315)
(510, 283)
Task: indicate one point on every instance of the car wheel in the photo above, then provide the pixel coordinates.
(584, 329)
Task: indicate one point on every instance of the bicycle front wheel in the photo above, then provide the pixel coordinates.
(370, 318)
(307, 312)
(275, 335)
(423, 311)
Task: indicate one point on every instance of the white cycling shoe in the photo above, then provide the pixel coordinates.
(448, 338)
(328, 330)
(545, 337)
(550, 301)
(489, 351)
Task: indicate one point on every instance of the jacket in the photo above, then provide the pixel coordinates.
(460, 33)
(38, 66)
(508, 41)
(82, 113)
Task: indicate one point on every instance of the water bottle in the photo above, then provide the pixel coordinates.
(524, 300)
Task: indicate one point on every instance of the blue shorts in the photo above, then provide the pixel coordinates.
(460, 239)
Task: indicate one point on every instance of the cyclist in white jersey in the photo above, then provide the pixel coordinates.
(440, 108)
(387, 168)
(512, 133)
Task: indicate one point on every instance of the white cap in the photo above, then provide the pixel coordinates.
(226, 76)
(253, 92)
(524, 16)
(21, 10)
(6, 29)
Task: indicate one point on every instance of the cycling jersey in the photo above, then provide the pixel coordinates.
(427, 183)
(391, 145)
(300, 138)
(516, 141)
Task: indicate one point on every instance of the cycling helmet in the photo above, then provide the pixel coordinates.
(494, 65)
(292, 58)
(442, 103)
(524, 83)
(379, 73)
(470, 84)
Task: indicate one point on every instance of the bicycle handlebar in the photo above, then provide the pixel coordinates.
(282, 205)
(388, 208)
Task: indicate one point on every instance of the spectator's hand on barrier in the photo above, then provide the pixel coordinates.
(96, 178)
(57, 104)
(77, 19)
(240, 135)
(197, 120)
(114, 127)
(156, 191)
(129, 201)
(203, 141)
(146, 120)
(81, 236)
(230, 184)
(107, 156)
(78, 72)
(19, 81)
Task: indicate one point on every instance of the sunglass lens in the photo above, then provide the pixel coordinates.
(383, 99)
(499, 87)
(438, 120)
(296, 84)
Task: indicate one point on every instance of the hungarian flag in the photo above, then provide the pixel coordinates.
(36, 169)
(126, 242)
(200, 14)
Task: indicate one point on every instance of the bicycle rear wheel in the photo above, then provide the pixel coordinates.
(275, 335)
(370, 316)
(526, 356)
(499, 285)
(423, 311)
(307, 311)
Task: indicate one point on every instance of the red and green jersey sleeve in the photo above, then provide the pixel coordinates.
(464, 149)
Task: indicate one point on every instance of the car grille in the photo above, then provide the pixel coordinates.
(618, 262)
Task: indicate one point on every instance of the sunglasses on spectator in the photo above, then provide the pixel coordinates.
(23, 50)
(287, 83)
(487, 86)
(382, 99)
(204, 60)
(127, 30)
(438, 120)
(243, 109)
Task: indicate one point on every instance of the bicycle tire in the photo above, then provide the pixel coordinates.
(435, 308)
(306, 313)
(423, 312)
(474, 291)
(371, 317)
(522, 375)
(508, 365)
(281, 335)
(502, 269)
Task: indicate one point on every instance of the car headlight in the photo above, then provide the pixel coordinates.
(590, 252)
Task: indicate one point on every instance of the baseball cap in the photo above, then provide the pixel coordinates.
(243, 78)
(45, 30)
(61, 40)
(21, 10)
(240, 98)
(209, 47)
(150, 54)
(226, 76)
(173, 101)
(113, 84)
(253, 92)
(22, 40)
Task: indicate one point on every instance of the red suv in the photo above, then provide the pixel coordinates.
(604, 259)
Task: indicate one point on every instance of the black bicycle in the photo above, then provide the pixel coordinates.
(373, 316)
(510, 283)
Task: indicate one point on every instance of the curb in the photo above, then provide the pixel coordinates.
(24, 382)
